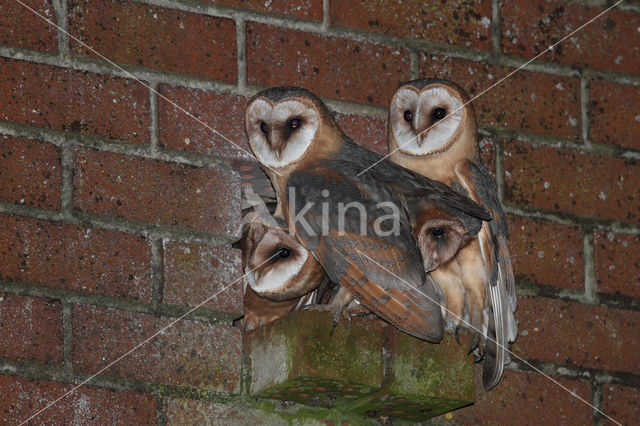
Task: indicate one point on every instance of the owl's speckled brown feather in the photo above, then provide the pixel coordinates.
(478, 282)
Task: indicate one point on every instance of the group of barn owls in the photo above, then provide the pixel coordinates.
(443, 263)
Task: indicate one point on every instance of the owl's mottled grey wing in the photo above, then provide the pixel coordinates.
(493, 239)
(405, 182)
(382, 267)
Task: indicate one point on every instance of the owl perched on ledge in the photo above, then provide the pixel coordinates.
(433, 131)
(315, 169)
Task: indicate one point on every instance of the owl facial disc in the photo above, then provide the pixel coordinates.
(426, 121)
(280, 134)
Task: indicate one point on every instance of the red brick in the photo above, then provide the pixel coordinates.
(155, 37)
(370, 133)
(578, 335)
(328, 66)
(30, 172)
(222, 112)
(621, 403)
(528, 101)
(462, 22)
(156, 192)
(33, 326)
(74, 101)
(615, 113)
(23, 28)
(562, 180)
(188, 353)
(488, 154)
(208, 271)
(302, 9)
(22, 398)
(181, 411)
(75, 258)
(526, 398)
(608, 43)
(546, 252)
(617, 259)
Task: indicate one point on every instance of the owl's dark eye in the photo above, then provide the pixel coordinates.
(284, 252)
(437, 232)
(439, 113)
(408, 115)
(264, 127)
(294, 123)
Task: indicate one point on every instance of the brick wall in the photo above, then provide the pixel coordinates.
(117, 210)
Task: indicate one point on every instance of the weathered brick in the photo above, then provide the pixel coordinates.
(546, 252)
(578, 335)
(194, 273)
(30, 172)
(608, 43)
(464, 23)
(156, 192)
(370, 133)
(617, 263)
(155, 37)
(180, 411)
(621, 403)
(31, 329)
(328, 66)
(74, 101)
(23, 28)
(569, 181)
(526, 398)
(614, 112)
(188, 353)
(222, 112)
(528, 101)
(302, 9)
(75, 258)
(22, 398)
(488, 154)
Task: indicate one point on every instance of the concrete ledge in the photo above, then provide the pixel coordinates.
(369, 369)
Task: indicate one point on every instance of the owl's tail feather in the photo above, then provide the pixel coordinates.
(502, 329)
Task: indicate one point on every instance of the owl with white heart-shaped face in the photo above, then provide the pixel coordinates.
(315, 169)
(433, 131)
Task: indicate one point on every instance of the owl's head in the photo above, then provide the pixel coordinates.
(428, 116)
(276, 266)
(441, 235)
(282, 123)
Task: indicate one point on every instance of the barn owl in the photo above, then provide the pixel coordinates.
(281, 275)
(322, 195)
(433, 131)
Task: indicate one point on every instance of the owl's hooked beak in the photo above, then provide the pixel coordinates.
(430, 264)
(421, 138)
(279, 148)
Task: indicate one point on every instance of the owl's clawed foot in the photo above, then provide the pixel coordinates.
(336, 321)
(457, 336)
(477, 349)
(474, 346)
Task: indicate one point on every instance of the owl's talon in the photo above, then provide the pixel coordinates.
(456, 332)
(335, 323)
(473, 347)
